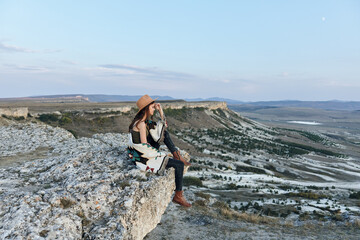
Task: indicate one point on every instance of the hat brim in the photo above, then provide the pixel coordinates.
(146, 105)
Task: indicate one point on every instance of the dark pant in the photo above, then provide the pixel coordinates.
(178, 165)
(179, 171)
(168, 142)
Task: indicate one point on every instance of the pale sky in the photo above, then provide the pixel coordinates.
(245, 50)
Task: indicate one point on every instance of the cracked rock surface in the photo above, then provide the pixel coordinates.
(75, 188)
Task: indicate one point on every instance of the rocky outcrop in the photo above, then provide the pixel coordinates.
(126, 107)
(83, 188)
(209, 105)
(110, 110)
(172, 105)
(14, 112)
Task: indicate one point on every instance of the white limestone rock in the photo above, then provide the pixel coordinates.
(84, 188)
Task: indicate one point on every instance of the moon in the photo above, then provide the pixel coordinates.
(323, 19)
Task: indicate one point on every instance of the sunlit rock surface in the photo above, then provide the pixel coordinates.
(75, 188)
(14, 111)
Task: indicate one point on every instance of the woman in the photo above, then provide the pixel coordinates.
(144, 149)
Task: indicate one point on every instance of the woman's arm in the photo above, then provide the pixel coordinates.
(159, 108)
(142, 129)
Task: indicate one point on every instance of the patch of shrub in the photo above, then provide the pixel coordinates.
(313, 137)
(287, 187)
(270, 212)
(194, 168)
(338, 217)
(221, 205)
(192, 181)
(101, 120)
(355, 195)
(65, 120)
(48, 117)
(304, 216)
(255, 218)
(19, 118)
(221, 166)
(203, 195)
(231, 186)
(309, 195)
(220, 113)
(199, 109)
(270, 167)
(305, 148)
(179, 114)
(248, 162)
(249, 169)
(314, 187)
(200, 203)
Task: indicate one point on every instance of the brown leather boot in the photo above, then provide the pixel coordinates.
(177, 156)
(179, 199)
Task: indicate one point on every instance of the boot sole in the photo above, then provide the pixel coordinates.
(181, 204)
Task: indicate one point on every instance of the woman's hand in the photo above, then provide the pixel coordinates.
(159, 108)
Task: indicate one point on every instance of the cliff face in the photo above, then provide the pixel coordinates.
(172, 105)
(76, 188)
(209, 105)
(14, 112)
(126, 107)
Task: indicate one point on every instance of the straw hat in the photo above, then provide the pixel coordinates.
(144, 101)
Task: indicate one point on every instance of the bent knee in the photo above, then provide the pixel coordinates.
(179, 163)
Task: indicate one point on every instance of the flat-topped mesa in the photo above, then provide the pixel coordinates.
(122, 109)
(211, 105)
(126, 107)
(14, 111)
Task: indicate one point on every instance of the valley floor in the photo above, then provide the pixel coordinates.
(179, 223)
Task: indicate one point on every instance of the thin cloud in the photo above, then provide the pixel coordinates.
(132, 69)
(52, 51)
(26, 68)
(10, 48)
(16, 49)
(148, 72)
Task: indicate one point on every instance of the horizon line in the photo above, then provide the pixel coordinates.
(188, 98)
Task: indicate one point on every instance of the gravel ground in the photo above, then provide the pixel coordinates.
(180, 223)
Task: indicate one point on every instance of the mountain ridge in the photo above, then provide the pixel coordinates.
(326, 105)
